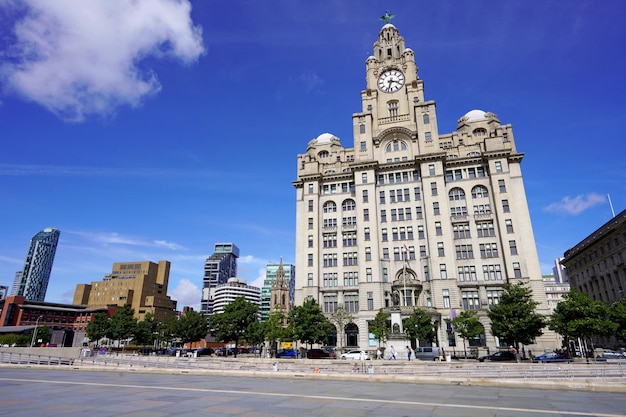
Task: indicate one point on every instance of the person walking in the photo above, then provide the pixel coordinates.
(392, 353)
(408, 352)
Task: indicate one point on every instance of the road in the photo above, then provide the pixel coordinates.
(36, 392)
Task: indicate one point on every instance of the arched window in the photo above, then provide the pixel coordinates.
(395, 146)
(348, 205)
(473, 154)
(323, 154)
(480, 191)
(330, 207)
(426, 119)
(456, 194)
(361, 129)
(479, 132)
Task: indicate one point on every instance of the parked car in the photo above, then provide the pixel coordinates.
(355, 355)
(501, 356)
(224, 351)
(611, 354)
(552, 357)
(319, 354)
(205, 351)
(286, 353)
(428, 353)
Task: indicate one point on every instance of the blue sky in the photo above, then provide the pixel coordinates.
(152, 129)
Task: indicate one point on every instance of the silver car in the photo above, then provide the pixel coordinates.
(355, 355)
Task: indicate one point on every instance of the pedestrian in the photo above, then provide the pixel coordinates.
(379, 354)
(355, 368)
(514, 352)
(408, 352)
(392, 353)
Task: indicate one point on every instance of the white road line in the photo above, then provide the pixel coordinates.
(322, 397)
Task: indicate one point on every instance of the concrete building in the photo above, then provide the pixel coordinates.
(233, 288)
(141, 285)
(409, 216)
(271, 283)
(218, 269)
(554, 291)
(32, 281)
(596, 266)
(560, 275)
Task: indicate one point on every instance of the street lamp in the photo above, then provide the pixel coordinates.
(32, 342)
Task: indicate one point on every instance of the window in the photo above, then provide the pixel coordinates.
(505, 206)
(467, 273)
(394, 233)
(368, 274)
(385, 275)
(438, 230)
(382, 197)
(493, 297)
(482, 209)
(488, 250)
(420, 232)
(464, 252)
(396, 254)
(350, 279)
(361, 129)
(310, 259)
(461, 230)
(330, 224)
(393, 108)
(502, 186)
(498, 166)
(446, 298)
(485, 229)
(431, 169)
(348, 221)
(330, 280)
(492, 273)
(365, 197)
(368, 254)
(310, 279)
(350, 258)
(426, 273)
(428, 137)
(310, 240)
(479, 132)
(426, 119)
(422, 251)
(513, 247)
(456, 194)
(517, 271)
(348, 205)
(440, 250)
(349, 239)
(417, 193)
(509, 225)
(443, 272)
(330, 259)
(392, 196)
(370, 300)
(310, 188)
(366, 215)
(383, 233)
(330, 303)
(330, 240)
(383, 216)
(310, 222)
(363, 146)
(480, 191)
(329, 207)
(310, 205)
(386, 253)
(470, 300)
(436, 209)
(418, 212)
(433, 188)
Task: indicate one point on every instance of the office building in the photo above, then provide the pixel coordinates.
(409, 216)
(32, 281)
(596, 265)
(559, 272)
(141, 285)
(285, 284)
(218, 269)
(225, 294)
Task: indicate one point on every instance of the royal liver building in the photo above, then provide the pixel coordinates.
(408, 216)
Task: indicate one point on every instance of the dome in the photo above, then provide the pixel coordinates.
(475, 115)
(325, 138)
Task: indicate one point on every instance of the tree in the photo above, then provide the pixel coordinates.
(308, 324)
(191, 327)
(341, 318)
(618, 315)
(123, 324)
(146, 330)
(234, 323)
(256, 334)
(380, 327)
(419, 325)
(578, 316)
(275, 329)
(98, 327)
(467, 326)
(167, 329)
(515, 319)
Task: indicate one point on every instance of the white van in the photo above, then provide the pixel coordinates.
(427, 353)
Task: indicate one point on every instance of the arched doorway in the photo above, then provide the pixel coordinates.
(352, 335)
(331, 336)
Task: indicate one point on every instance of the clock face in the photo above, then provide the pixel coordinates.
(391, 81)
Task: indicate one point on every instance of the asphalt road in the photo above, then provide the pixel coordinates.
(47, 393)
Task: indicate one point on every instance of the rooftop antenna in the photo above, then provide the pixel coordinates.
(611, 204)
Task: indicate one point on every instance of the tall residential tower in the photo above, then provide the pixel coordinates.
(32, 282)
(218, 268)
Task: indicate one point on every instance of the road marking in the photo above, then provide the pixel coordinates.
(321, 397)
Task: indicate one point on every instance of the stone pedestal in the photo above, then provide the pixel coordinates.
(396, 338)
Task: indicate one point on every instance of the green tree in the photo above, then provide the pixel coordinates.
(256, 334)
(234, 323)
(275, 329)
(44, 334)
(514, 319)
(380, 327)
(308, 324)
(192, 327)
(146, 330)
(123, 324)
(618, 315)
(419, 325)
(467, 326)
(167, 329)
(98, 327)
(578, 316)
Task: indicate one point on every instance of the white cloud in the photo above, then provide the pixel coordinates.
(186, 294)
(575, 205)
(258, 281)
(78, 58)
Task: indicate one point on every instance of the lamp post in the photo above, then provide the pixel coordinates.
(32, 342)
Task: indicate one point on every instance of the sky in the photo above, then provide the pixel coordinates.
(153, 129)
